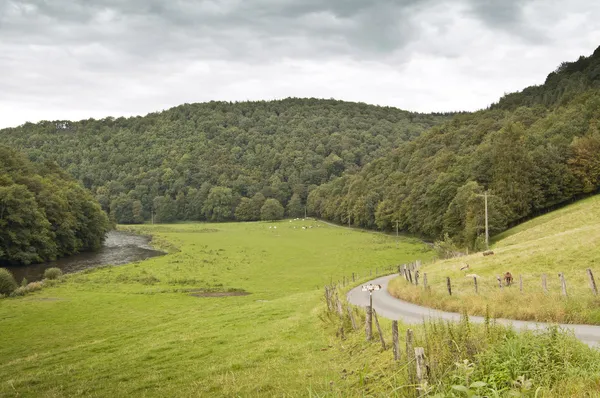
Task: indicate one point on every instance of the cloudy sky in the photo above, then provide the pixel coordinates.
(75, 59)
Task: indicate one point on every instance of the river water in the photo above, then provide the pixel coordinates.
(119, 248)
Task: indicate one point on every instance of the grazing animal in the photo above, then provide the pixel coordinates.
(508, 278)
(464, 267)
(488, 253)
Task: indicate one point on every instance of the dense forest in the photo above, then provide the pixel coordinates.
(369, 166)
(44, 213)
(533, 150)
(218, 161)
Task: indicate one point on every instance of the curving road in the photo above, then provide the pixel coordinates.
(396, 309)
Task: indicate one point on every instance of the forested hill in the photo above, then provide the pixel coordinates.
(44, 213)
(533, 150)
(197, 161)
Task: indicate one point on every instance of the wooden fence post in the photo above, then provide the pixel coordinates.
(475, 283)
(410, 352)
(351, 315)
(339, 308)
(563, 283)
(420, 364)
(592, 282)
(544, 283)
(449, 285)
(379, 330)
(410, 276)
(353, 277)
(416, 278)
(521, 283)
(395, 344)
(425, 280)
(369, 323)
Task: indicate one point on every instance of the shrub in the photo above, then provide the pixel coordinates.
(23, 290)
(52, 273)
(7, 282)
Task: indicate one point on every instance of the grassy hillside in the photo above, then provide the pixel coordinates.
(142, 330)
(137, 330)
(566, 240)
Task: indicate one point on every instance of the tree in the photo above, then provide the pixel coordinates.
(244, 210)
(271, 210)
(44, 214)
(165, 209)
(219, 204)
(585, 161)
(294, 207)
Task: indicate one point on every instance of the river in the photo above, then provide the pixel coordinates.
(119, 248)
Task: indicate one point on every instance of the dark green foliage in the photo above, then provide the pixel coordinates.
(295, 208)
(7, 282)
(52, 273)
(271, 210)
(220, 204)
(44, 214)
(530, 158)
(276, 148)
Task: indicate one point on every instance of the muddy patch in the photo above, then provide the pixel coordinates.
(44, 299)
(218, 294)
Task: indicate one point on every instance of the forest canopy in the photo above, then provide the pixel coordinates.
(199, 161)
(351, 163)
(534, 150)
(44, 213)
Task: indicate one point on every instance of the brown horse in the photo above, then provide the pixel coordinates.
(508, 278)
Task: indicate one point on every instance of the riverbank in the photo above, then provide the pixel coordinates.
(120, 247)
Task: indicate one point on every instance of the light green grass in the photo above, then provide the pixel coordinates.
(566, 240)
(133, 330)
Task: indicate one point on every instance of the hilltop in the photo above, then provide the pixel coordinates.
(197, 161)
(533, 150)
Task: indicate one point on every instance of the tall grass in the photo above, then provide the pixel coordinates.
(565, 241)
(466, 359)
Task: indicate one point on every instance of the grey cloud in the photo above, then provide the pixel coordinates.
(356, 28)
(507, 15)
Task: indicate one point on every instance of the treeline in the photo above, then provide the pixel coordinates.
(44, 213)
(219, 161)
(534, 150)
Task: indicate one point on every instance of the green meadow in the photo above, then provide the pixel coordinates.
(141, 330)
(564, 241)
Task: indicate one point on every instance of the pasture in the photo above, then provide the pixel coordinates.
(565, 241)
(144, 329)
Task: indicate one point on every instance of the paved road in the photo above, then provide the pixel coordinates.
(393, 308)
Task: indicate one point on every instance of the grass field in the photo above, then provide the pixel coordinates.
(136, 330)
(566, 240)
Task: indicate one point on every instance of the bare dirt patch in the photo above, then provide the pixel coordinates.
(219, 294)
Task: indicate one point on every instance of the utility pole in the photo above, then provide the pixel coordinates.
(487, 231)
(487, 234)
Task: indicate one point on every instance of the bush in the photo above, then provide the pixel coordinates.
(52, 273)
(7, 282)
(23, 290)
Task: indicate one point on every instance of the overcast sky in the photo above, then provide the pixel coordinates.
(75, 59)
